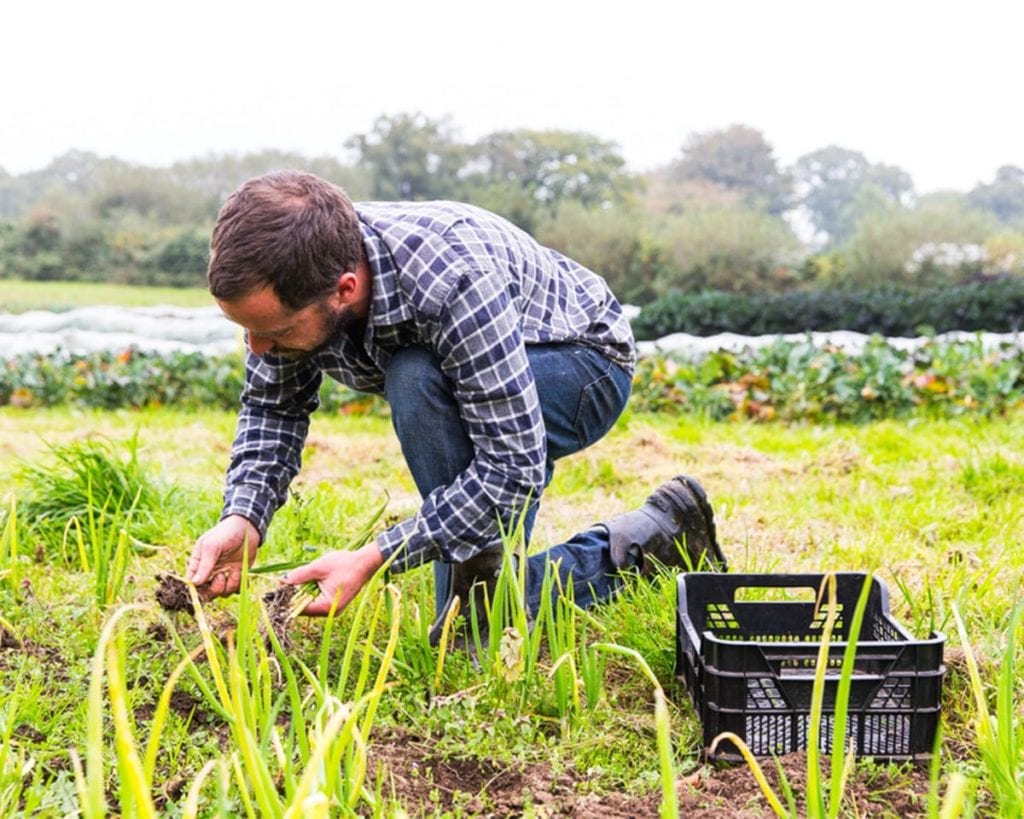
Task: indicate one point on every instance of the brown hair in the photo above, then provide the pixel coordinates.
(287, 229)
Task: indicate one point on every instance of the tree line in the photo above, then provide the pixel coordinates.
(723, 214)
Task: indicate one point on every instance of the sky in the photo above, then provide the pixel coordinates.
(933, 87)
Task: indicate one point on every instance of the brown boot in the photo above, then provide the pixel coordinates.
(478, 577)
(676, 516)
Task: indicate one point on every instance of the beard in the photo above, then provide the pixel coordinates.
(333, 324)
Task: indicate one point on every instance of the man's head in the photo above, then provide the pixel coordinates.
(286, 263)
(288, 230)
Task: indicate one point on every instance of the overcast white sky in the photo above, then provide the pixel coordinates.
(934, 87)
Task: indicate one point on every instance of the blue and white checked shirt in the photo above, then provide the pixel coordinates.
(473, 289)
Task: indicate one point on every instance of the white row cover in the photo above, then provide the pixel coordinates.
(161, 330)
(683, 344)
(164, 330)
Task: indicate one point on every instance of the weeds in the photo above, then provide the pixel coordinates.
(1000, 735)
(16, 766)
(228, 723)
(9, 548)
(103, 548)
(87, 479)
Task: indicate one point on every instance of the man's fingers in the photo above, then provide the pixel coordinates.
(201, 565)
(303, 574)
(218, 585)
(320, 607)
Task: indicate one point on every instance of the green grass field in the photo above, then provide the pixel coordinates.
(19, 296)
(566, 726)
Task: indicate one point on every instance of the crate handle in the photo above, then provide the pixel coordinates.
(775, 594)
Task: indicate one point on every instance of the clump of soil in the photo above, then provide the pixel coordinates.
(172, 593)
(278, 603)
(8, 639)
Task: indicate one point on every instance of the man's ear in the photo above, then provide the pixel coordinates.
(348, 285)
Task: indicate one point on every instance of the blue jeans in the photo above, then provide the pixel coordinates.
(581, 393)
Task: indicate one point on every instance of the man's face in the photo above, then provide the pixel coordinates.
(270, 327)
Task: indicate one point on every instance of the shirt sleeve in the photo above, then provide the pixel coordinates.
(277, 400)
(480, 345)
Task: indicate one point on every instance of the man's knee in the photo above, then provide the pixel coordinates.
(416, 388)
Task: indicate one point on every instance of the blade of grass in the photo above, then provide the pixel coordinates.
(842, 761)
(442, 645)
(669, 798)
(133, 777)
(90, 784)
(755, 768)
(190, 810)
(815, 796)
(160, 714)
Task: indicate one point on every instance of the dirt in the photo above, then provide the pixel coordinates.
(278, 605)
(8, 639)
(188, 707)
(428, 784)
(172, 593)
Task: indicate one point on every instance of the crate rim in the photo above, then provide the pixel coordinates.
(933, 638)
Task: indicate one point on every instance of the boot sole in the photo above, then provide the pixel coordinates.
(709, 519)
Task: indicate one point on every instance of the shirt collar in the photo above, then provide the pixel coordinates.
(387, 307)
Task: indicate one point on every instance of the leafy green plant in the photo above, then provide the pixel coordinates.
(135, 379)
(9, 557)
(90, 479)
(1001, 734)
(799, 380)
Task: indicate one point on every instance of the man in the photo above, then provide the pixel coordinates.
(497, 357)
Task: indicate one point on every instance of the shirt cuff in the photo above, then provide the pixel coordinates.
(398, 540)
(251, 504)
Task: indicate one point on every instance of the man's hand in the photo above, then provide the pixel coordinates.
(339, 574)
(216, 563)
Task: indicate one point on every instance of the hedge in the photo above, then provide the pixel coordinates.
(994, 306)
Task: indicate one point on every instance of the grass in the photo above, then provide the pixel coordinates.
(19, 296)
(932, 508)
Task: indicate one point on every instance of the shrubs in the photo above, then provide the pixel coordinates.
(798, 381)
(135, 380)
(784, 380)
(996, 306)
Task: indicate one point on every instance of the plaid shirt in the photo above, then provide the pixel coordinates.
(475, 290)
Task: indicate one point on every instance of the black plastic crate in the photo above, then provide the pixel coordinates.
(749, 665)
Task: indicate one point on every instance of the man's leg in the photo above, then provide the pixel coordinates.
(581, 395)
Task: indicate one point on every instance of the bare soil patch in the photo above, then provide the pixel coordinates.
(426, 783)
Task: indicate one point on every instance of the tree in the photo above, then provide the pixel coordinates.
(550, 167)
(1004, 196)
(939, 241)
(618, 243)
(838, 186)
(10, 195)
(181, 259)
(737, 158)
(410, 156)
(736, 249)
(664, 192)
(209, 180)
